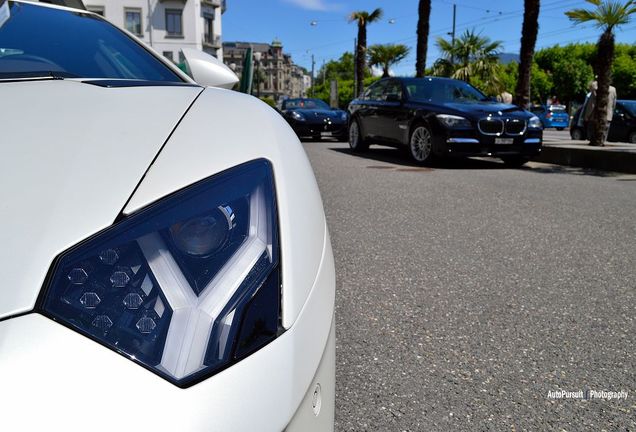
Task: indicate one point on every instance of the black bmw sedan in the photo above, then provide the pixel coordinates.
(314, 118)
(442, 117)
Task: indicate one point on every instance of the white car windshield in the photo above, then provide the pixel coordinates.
(44, 41)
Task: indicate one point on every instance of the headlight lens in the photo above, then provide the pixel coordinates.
(185, 287)
(535, 123)
(453, 121)
(297, 116)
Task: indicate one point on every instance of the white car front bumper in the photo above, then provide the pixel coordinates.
(52, 378)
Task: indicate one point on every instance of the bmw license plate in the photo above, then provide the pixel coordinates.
(504, 140)
(327, 134)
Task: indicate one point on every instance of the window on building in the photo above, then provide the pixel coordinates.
(168, 55)
(208, 30)
(173, 22)
(132, 20)
(99, 10)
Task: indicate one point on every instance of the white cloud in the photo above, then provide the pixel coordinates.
(317, 5)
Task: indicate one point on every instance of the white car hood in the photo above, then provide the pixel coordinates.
(71, 155)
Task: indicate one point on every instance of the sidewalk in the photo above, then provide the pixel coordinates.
(617, 157)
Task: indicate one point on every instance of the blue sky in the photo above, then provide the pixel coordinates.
(290, 21)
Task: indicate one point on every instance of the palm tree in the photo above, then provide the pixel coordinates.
(606, 15)
(529, 32)
(471, 55)
(386, 56)
(362, 18)
(424, 13)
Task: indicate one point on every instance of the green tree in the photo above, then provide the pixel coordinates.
(571, 77)
(606, 15)
(541, 84)
(471, 55)
(424, 14)
(624, 71)
(529, 31)
(387, 55)
(341, 69)
(362, 18)
(508, 76)
(345, 90)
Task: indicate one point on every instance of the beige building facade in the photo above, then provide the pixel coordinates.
(275, 74)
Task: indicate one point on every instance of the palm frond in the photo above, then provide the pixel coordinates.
(375, 15)
(606, 14)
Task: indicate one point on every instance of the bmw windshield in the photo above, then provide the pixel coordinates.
(441, 91)
(49, 42)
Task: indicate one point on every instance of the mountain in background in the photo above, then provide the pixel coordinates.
(506, 58)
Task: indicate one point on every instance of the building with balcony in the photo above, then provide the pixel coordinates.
(168, 25)
(275, 74)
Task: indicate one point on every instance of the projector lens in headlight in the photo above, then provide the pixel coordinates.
(186, 286)
(204, 235)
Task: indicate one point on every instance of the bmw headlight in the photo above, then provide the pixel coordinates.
(185, 287)
(297, 116)
(453, 121)
(535, 123)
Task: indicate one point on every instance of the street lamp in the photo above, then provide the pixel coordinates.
(257, 60)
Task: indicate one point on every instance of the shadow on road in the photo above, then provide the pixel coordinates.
(401, 158)
(562, 169)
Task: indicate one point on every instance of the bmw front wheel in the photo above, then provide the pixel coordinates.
(421, 144)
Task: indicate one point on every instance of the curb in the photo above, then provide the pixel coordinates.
(603, 159)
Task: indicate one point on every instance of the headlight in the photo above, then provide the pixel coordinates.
(453, 121)
(297, 116)
(535, 123)
(186, 286)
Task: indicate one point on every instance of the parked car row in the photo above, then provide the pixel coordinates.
(431, 117)
(622, 127)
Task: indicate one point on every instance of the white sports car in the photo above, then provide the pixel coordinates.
(164, 254)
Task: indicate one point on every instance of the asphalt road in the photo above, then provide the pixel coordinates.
(467, 291)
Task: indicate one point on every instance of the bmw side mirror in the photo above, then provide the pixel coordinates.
(207, 70)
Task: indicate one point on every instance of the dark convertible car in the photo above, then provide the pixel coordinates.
(442, 117)
(314, 118)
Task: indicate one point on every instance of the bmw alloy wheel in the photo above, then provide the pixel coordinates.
(421, 144)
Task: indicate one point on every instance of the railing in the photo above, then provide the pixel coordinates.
(214, 41)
